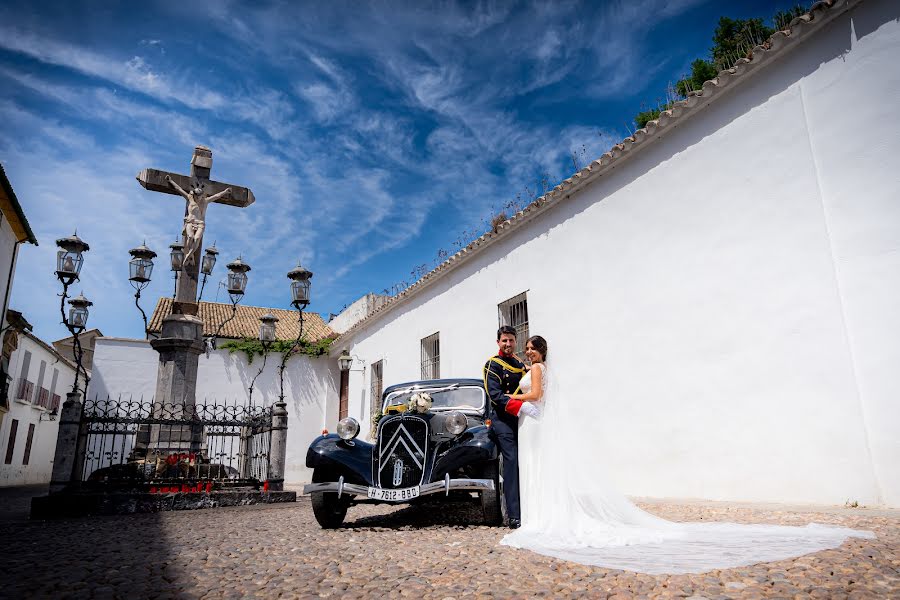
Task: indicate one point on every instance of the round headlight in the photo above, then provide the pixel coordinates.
(455, 422)
(348, 428)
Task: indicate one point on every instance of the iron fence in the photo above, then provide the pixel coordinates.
(161, 445)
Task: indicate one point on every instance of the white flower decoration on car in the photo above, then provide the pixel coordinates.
(419, 402)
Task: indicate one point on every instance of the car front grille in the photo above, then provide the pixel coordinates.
(401, 452)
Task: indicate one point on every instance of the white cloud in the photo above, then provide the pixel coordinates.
(133, 73)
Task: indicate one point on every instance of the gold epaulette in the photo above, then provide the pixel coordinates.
(506, 365)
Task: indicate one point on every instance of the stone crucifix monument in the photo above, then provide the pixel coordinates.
(181, 341)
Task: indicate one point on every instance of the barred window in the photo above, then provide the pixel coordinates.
(376, 386)
(514, 312)
(431, 357)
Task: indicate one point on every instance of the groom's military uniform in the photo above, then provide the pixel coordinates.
(501, 378)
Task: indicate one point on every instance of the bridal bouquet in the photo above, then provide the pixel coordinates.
(419, 402)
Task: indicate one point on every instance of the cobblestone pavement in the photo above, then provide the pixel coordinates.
(278, 551)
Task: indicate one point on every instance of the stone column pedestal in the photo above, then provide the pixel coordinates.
(278, 446)
(66, 467)
(179, 347)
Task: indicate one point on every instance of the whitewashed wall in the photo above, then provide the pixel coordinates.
(7, 250)
(723, 305)
(128, 367)
(43, 445)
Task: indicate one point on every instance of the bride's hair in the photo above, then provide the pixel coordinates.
(539, 344)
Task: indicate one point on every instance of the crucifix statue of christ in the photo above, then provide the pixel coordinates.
(180, 343)
(199, 191)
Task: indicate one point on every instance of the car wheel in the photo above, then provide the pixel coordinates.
(490, 499)
(328, 509)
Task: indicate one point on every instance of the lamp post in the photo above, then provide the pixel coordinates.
(176, 260)
(237, 285)
(206, 267)
(69, 259)
(300, 284)
(67, 465)
(278, 437)
(140, 267)
(267, 324)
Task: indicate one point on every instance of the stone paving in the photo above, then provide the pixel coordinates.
(430, 551)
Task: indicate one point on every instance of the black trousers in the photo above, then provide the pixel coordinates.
(506, 435)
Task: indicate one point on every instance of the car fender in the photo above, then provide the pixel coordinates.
(351, 459)
(474, 446)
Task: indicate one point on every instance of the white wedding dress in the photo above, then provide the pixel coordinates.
(569, 511)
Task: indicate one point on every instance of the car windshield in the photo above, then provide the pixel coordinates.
(467, 398)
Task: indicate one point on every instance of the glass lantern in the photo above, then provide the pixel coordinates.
(140, 266)
(300, 284)
(344, 361)
(69, 258)
(78, 313)
(267, 327)
(176, 256)
(237, 279)
(209, 260)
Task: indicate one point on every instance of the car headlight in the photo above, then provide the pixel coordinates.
(348, 428)
(455, 422)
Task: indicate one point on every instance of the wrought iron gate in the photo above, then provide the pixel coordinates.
(129, 444)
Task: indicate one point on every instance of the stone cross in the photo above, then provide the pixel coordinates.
(179, 344)
(199, 192)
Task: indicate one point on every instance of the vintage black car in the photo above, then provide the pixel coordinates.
(443, 449)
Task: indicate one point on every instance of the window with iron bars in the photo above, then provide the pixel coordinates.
(431, 357)
(376, 387)
(514, 312)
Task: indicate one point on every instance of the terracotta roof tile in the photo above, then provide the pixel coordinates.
(246, 321)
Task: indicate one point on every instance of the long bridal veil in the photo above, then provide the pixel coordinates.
(570, 511)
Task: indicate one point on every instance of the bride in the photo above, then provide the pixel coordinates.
(570, 512)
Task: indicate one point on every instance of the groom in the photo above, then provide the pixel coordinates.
(501, 378)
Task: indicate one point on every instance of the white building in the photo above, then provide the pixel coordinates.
(127, 368)
(720, 291)
(41, 377)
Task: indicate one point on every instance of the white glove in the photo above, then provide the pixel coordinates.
(529, 410)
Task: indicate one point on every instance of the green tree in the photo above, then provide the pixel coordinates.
(735, 38)
(701, 71)
(732, 40)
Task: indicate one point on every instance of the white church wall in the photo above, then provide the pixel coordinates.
(128, 367)
(721, 322)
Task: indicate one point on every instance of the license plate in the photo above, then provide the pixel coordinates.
(399, 495)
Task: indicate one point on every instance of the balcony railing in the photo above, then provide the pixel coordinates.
(25, 390)
(42, 398)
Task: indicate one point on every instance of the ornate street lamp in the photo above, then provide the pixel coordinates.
(76, 323)
(237, 285)
(237, 279)
(207, 265)
(346, 360)
(267, 324)
(78, 313)
(69, 258)
(300, 282)
(140, 267)
(176, 260)
(267, 328)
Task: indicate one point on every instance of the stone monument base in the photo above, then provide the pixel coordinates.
(83, 504)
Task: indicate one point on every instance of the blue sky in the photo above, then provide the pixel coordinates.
(373, 134)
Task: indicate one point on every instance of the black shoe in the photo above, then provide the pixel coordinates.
(515, 523)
